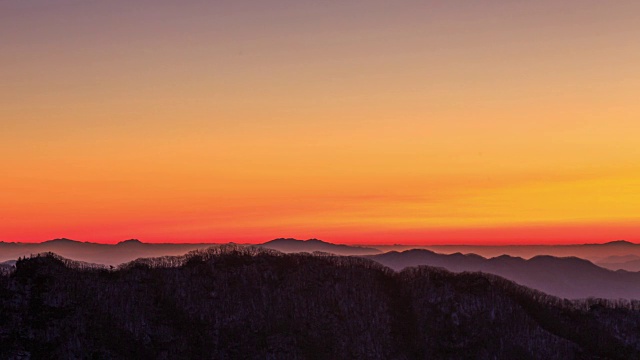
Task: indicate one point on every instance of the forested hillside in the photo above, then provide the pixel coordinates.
(245, 303)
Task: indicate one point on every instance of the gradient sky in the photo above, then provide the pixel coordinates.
(416, 122)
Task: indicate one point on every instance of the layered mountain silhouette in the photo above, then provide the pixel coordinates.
(107, 254)
(234, 302)
(565, 277)
(591, 252)
(568, 277)
(128, 250)
(124, 251)
(313, 245)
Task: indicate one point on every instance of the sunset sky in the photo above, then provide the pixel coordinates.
(414, 122)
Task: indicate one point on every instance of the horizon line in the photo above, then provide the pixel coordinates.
(617, 241)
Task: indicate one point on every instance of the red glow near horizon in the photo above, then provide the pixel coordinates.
(526, 235)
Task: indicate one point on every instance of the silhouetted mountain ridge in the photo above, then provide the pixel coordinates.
(107, 254)
(569, 277)
(618, 243)
(63, 241)
(130, 242)
(595, 252)
(289, 245)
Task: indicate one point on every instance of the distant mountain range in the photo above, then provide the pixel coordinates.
(128, 250)
(313, 245)
(232, 302)
(592, 252)
(108, 254)
(568, 277)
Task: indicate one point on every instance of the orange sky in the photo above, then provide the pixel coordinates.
(416, 122)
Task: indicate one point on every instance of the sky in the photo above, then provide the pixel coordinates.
(361, 122)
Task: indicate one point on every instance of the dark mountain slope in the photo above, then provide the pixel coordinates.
(569, 277)
(232, 302)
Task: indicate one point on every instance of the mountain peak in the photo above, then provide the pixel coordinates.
(417, 251)
(130, 242)
(61, 241)
(619, 242)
